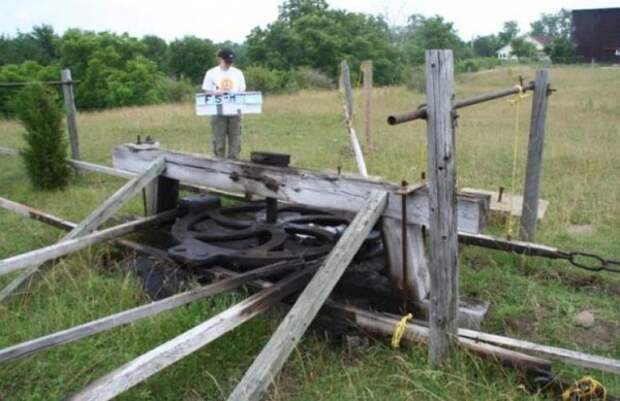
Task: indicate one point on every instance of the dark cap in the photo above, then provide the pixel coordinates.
(226, 54)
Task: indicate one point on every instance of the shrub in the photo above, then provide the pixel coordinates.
(44, 156)
(262, 79)
(175, 91)
(308, 78)
(277, 81)
(27, 71)
(417, 79)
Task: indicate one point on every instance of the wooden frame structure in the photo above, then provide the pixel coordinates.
(438, 206)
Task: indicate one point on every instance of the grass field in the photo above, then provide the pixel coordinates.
(531, 298)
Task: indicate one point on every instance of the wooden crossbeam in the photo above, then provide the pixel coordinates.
(295, 185)
(66, 247)
(271, 359)
(98, 216)
(140, 312)
(179, 347)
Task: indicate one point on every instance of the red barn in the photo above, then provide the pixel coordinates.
(595, 33)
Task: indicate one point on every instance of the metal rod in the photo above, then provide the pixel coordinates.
(403, 236)
(20, 84)
(421, 111)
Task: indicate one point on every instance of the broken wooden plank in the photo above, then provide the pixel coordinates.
(269, 362)
(140, 312)
(119, 198)
(107, 208)
(146, 365)
(507, 204)
(384, 324)
(293, 185)
(35, 214)
(554, 353)
(66, 247)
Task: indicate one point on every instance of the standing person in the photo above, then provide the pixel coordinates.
(224, 78)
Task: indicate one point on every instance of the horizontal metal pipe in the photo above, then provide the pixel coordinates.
(421, 111)
(20, 84)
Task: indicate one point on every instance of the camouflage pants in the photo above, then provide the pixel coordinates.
(226, 129)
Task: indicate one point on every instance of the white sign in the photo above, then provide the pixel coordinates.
(228, 104)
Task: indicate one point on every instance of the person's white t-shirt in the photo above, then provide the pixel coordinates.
(229, 80)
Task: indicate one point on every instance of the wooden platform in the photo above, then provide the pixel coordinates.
(509, 204)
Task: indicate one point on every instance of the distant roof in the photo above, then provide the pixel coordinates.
(609, 9)
(544, 40)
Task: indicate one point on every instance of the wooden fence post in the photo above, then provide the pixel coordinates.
(367, 71)
(347, 103)
(442, 203)
(531, 190)
(67, 90)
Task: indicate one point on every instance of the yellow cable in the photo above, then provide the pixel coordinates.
(399, 330)
(585, 389)
(516, 101)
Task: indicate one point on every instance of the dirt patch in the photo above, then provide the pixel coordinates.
(602, 336)
(526, 326)
(581, 229)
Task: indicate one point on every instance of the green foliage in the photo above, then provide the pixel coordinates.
(309, 34)
(486, 46)
(509, 32)
(431, 33)
(27, 71)
(37, 109)
(278, 81)
(556, 25)
(38, 45)
(521, 48)
(561, 51)
(175, 91)
(476, 64)
(156, 51)
(190, 57)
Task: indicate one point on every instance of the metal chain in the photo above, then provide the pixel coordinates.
(591, 262)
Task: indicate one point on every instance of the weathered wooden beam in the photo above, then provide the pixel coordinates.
(140, 312)
(346, 91)
(70, 111)
(170, 352)
(367, 74)
(554, 353)
(531, 190)
(271, 359)
(98, 216)
(301, 186)
(66, 247)
(385, 323)
(35, 214)
(444, 278)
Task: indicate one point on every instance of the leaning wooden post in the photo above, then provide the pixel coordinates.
(367, 71)
(67, 90)
(347, 104)
(531, 190)
(442, 202)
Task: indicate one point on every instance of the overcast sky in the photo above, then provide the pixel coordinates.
(233, 19)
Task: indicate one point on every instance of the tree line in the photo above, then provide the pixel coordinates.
(300, 49)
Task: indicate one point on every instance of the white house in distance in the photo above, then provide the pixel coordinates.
(505, 53)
